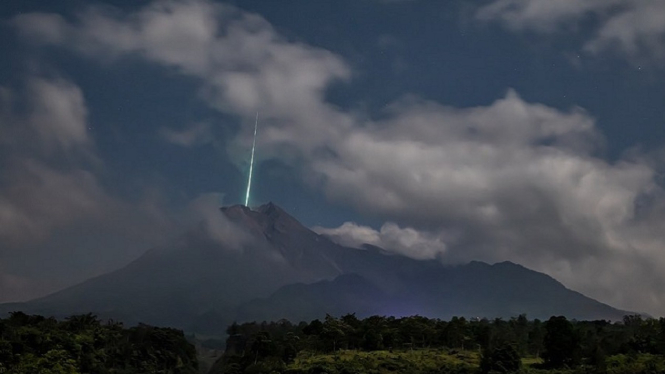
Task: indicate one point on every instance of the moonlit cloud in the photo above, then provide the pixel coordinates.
(36, 194)
(638, 32)
(543, 15)
(633, 27)
(391, 237)
(511, 180)
(246, 66)
(204, 211)
(54, 119)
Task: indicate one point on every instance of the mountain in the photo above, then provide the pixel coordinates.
(276, 268)
(348, 293)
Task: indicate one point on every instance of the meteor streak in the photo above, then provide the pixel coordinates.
(251, 161)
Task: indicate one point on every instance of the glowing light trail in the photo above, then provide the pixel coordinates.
(251, 161)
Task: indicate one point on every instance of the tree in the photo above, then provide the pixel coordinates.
(34, 344)
(536, 337)
(262, 345)
(352, 330)
(334, 331)
(520, 327)
(455, 332)
(290, 347)
(314, 328)
(562, 343)
(501, 359)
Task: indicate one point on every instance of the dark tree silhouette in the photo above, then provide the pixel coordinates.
(562, 343)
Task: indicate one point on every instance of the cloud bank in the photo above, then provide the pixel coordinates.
(633, 28)
(512, 180)
(406, 241)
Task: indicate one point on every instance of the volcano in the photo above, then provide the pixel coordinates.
(272, 267)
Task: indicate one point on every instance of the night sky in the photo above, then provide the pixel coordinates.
(521, 130)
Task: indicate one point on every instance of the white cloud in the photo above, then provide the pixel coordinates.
(543, 15)
(513, 180)
(406, 241)
(205, 212)
(245, 65)
(635, 28)
(55, 120)
(58, 113)
(40, 128)
(639, 32)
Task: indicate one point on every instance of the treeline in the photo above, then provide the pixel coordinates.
(83, 344)
(500, 345)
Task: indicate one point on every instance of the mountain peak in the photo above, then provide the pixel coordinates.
(272, 210)
(275, 215)
(297, 244)
(235, 209)
(266, 218)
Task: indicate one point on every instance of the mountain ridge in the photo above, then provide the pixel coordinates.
(199, 284)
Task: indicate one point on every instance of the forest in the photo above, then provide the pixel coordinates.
(339, 345)
(84, 344)
(417, 344)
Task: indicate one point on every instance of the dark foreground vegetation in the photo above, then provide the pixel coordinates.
(421, 345)
(83, 344)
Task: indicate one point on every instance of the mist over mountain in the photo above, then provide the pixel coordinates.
(281, 269)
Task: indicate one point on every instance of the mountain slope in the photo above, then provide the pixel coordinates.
(472, 290)
(348, 293)
(284, 270)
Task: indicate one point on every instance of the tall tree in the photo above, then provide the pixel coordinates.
(562, 343)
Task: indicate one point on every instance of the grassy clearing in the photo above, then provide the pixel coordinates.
(421, 360)
(531, 361)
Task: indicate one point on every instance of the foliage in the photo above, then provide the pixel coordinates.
(416, 344)
(562, 343)
(501, 359)
(83, 344)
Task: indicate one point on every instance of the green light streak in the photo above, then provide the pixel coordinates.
(251, 161)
